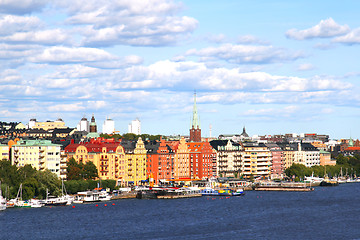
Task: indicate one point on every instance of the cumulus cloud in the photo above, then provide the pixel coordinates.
(19, 7)
(245, 54)
(43, 37)
(56, 55)
(10, 24)
(352, 37)
(325, 29)
(136, 22)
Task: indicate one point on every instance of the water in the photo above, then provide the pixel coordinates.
(326, 213)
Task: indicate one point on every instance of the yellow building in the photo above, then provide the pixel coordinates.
(182, 160)
(135, 162)
(107, 155)
(49, 125)
(40, 154)
(288, 158)
(256, 160)
(4, 152)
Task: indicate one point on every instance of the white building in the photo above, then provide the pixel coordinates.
(40, 154)
(108, 126)
(135, 127)
(83, 125)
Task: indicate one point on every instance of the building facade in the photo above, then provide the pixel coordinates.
(257, 160)
(40, 154)
(107, 155)
(135, 127)
(229, 162)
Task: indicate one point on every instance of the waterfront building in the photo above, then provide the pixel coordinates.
(228, 155)
(160, 161)
(195, 130)
(135, 164)
(202, 160)
(307, 155)
(83, 125)
(135, 127)
(40, 154)
(59, 123)
(300, 153)
(181, 159)
(277, 165)
(108, 126)
(107, 155)
(257, 160)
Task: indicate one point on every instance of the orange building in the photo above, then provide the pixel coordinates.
(160, 161)
(202, 160)
(106, 154)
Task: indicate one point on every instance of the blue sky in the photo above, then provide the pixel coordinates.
(273, 66)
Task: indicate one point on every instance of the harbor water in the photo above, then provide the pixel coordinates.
(326, 213)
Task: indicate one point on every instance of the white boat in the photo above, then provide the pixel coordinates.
(54, 201)
(3, 202)
(104, 196)
(69, 199)
(313, 180)
(36, 203)
(88, 196)
(18, 202)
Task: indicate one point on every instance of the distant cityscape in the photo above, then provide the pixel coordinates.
(50, 144)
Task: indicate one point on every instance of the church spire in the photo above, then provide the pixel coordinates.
(195, 121)
(195, 131)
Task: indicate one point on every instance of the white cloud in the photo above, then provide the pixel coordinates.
(305, 67)
(136, 22)
(71, 107)
(72, 55)
(325, 29)
(21, 6)
(44, 37)
(241, 54)
(352, 37)
(10, 24)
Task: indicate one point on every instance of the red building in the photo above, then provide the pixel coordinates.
(202, 164)
(277, 166)
(160, 161)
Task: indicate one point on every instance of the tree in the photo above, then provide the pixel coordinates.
(73, 170)
(90, 171)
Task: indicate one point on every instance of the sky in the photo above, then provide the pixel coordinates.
(274, 67)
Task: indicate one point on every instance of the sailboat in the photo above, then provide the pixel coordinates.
(18, 202)
(54, 201)
(2, 201)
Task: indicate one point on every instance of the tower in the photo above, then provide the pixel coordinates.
(93, 127)
(195, 131)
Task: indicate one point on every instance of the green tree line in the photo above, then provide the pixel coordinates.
(35, 183)
(349, 163)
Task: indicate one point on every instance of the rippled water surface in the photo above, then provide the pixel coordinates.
(326, 213)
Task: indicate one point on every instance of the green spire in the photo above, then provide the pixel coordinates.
(195, 121)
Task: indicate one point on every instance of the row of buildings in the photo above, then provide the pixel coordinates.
(192, 157)
(134, 162)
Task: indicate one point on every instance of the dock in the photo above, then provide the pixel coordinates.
(178, 196)
(285, 187)
(124, 196)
